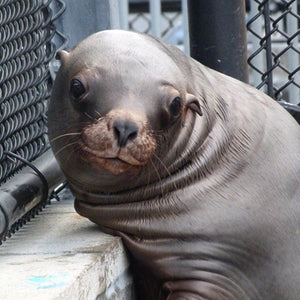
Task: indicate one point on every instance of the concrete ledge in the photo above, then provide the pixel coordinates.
(60, 255)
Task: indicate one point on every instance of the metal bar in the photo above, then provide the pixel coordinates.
(218, 35)
(155, 12)
(293, 109)
(25, 190)
(292, 56)
(123, 11)
(114, 14)
(90, 15)
(268, 48)
(258, 60)
(185, 23)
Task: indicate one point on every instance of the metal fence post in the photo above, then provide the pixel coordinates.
(83, 18)
(254, 41)
(293, 58)
(186, 41)
(124, 12)
(155, 11)
(218, 35)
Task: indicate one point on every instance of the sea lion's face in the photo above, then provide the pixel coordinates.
(123, 119)
(115, 111)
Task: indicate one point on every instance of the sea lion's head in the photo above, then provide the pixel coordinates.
(118, 106)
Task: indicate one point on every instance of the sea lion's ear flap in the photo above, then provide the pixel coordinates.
(62, 56)
(193, 104)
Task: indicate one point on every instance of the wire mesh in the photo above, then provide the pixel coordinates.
(26, 31)
(140, 19)
(274, 37)
(273, 41)
(27, 48)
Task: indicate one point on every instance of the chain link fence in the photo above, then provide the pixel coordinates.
(26, 49)
(273, 41)
(25, 84)
(274, 44)
(139, 19)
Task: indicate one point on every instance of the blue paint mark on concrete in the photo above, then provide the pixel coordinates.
(48, 282)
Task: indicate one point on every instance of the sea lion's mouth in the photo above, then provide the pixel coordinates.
(117, 142)
(116, 163)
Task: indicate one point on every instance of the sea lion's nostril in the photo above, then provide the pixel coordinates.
(125, 130)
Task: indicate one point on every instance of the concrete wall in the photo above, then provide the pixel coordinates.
(60, 255)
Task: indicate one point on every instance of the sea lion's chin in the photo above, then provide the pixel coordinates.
(115, 165)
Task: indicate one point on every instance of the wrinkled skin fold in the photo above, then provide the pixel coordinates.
(205, 192)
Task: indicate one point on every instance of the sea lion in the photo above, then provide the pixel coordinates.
(196, 171)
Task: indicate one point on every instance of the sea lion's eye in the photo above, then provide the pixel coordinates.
(77, 89)
(175, 107)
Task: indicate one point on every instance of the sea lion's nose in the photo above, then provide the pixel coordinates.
(125, 130)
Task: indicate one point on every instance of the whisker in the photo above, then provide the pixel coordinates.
(65, 135)
(72, 152)
(99, 115)
(89, 116)
(157, 133)
(76, 126)
(162, 192)
(163, 164)
(165, 167)
(81, 123)
(148, 183)
(64, 147)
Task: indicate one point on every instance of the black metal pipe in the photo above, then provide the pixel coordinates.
(25, 190)
(293, 109)
(218, 35)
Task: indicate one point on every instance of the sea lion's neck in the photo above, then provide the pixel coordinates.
(205, 145)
